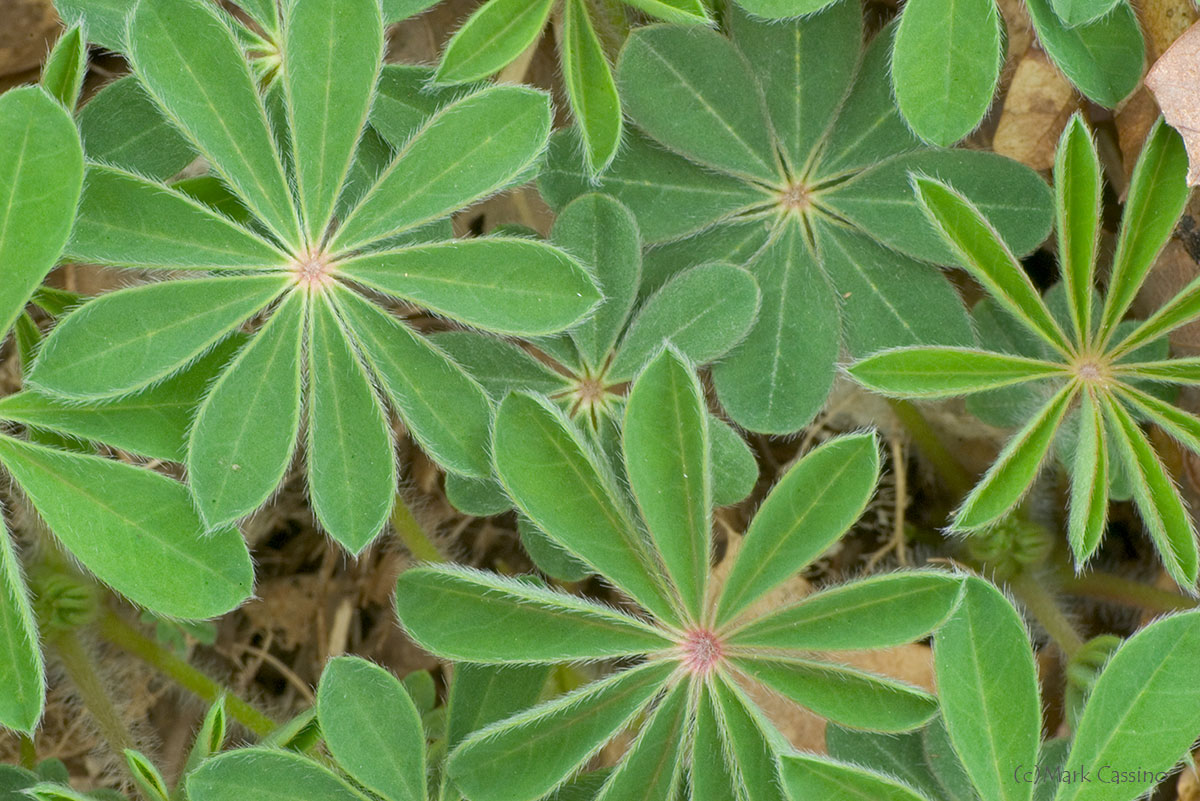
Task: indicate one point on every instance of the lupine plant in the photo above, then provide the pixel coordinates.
(703, 311)
(778, 149)
(1092, 364)
(305, 264)
(949, 55)
(133, 529)
(688, 646)
(1139, 720)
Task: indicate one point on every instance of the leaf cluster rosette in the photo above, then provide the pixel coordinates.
(308, 230)
(703, 311)
(1098, 375)
(780, 148)
(689, 649)
(1137, 724)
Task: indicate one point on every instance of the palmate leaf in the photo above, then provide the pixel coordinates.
(41, 172)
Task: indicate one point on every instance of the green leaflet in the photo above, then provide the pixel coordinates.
(404, 100)
(901, 757)
(331, 55)
(557, 481)
(500, 366)
(483, 694)
(445, 410)
(704, 312)
(476, 615)
(667, 460)
(121, 127)
(1157, 193)
(945, 66)
(603, 235)
(104, 19)
(1080, 12)
(41, 171)
(805, 70)
(734, 466)
(847, 696)
(734, 242)
(669, 196)
(982, 253)
(242, 441)
(267, 774)
(987, 687)
(372, 728)
(1103, 59)
(807, 511)
(811, 777)
(677, 11)
(692, 90)
(1015, 201)
(350, 459)
(21, 669)
(710, 775)
(134, 529)
(780, 374)
(591, 89)
(153, 423)
(755, 757)
(396, 10)
(1143, 710)
(878, 612)
(214, 101)
(63, 71)
(868, 127)
(147, 777)
(504, 284)
(463, 153)
(1078, 191)
(128, 221)
(131, 338)
(781, 9)
(498, 32)
(650, 770)
(548, 556)
(1089, 482)
(1009, 477)
(888, 300)
(932, 372)
(1157, 498)
(526, 756)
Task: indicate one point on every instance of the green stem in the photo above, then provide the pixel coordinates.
(1114, 588)
(1034, 596)
(114, 629)
(82, 672)
(412, 534)
(28, 753)
(955, 476)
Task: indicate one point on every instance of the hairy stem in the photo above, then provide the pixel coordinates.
(28, 752)
(118, 632)
(954, 475)
(412, 534)
(1040, 603)
(81, 671)
(1108, 587)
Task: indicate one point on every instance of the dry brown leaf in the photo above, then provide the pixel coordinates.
(1040, 100)
(1175, 81)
